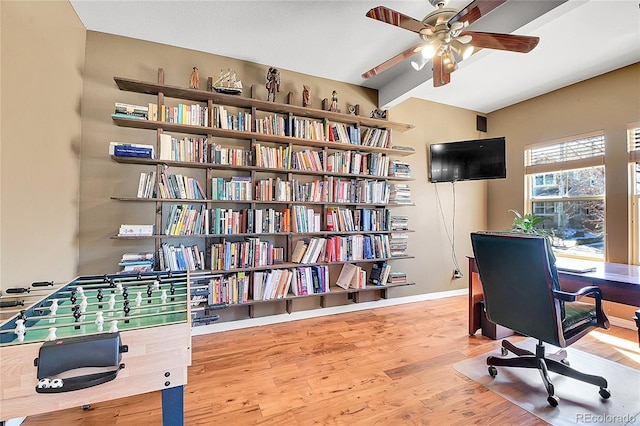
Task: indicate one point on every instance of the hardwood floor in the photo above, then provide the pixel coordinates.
(387, 366)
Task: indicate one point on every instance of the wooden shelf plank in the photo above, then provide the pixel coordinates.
(241, 102)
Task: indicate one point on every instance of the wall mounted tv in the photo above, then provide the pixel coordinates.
(468, 160)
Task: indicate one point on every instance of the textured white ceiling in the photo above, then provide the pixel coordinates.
(333, 39)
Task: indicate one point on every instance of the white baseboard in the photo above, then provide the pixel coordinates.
(320, 312)
(619, 322)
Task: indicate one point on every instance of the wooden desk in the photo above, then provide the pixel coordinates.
(619, 283)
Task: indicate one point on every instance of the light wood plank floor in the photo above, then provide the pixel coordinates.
(388, 366)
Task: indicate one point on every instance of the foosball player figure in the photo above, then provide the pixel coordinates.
(100, 296)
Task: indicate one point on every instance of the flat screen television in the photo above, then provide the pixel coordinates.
(468, 160)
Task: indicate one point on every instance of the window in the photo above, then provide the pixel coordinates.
(565, 185)
(633, 139)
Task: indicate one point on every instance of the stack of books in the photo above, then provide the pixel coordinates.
(352, 276)
(398, 243)
(399, 223)
(399, 169)
(122, 149)
(135, 230)
(131, 111)
(136, 262)
(400, 193)
(397, 277)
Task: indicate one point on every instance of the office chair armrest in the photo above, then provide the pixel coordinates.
(584, 291)
(594, 291)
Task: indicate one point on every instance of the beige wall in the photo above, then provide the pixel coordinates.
(108, 56)
(609, 103)
(42, 59)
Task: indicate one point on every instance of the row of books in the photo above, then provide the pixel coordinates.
(178, 186)
(349, 220)
(223, 119)
(249, 253)
(187, 149)
(229, 222)
(352, 276)
(198, 115)
(193, 115)
(231, 156)
(373, 163)
(147, 185)
(237, 188)
(376, 137)
(302, 219)
(238, 288)
(180, 258)
(339, 190)
(186, 219)
(302, 281)
(341, 248)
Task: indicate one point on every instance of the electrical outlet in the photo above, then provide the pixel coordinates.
(457, 274)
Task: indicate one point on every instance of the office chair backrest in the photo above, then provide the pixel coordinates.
(518, 275)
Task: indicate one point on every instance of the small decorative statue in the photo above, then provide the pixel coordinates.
(306, 96)
(334, 102)
(273, 83)
(195, 79)
(378, 113)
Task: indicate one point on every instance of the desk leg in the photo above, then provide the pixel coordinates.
(637, 318)
(173, 406)
(476, 296)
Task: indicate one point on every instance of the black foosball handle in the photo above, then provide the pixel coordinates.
(42, 284)
(12, 304)
(17, 290)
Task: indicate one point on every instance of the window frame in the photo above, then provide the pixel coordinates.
(590, 161)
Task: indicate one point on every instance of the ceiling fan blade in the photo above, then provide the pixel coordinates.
(474, 11)
(440, 77)
(393, 61)
(389, 16)
(510, 42)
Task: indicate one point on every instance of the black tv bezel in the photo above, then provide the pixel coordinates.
(470, 142)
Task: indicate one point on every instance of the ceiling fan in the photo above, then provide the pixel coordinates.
(444, 39)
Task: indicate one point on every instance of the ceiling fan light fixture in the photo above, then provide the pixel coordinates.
(428, 51)
(466, 52)
(448, 62)
(419, 63)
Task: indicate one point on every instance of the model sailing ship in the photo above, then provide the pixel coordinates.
(227, 83)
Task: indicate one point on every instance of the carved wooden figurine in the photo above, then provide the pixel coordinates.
(195, 79)
(273, 83)
(306, 96)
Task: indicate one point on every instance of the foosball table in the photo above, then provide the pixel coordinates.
(94, 339)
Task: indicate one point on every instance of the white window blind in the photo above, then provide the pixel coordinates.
(571, 153)
(633, 136)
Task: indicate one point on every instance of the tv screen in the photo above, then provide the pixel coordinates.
(468, 160)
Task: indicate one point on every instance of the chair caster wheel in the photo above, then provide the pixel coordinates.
(604, 393)
(493, 372)
(553, 400)
(504, 351)
(86, 407)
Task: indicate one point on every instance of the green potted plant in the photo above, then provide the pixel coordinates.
(527, 224)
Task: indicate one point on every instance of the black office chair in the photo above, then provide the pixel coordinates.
(522, 292)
